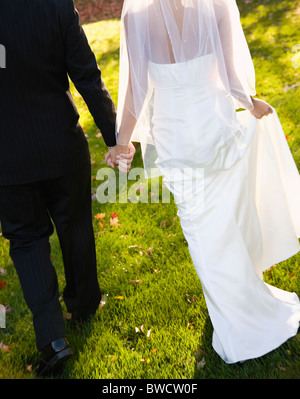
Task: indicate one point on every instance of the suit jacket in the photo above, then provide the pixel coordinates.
(40, 136)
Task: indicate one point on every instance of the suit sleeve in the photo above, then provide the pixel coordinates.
(84, 72)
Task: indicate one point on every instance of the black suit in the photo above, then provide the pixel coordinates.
(44, 155)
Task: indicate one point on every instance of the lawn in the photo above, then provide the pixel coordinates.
(155, 324)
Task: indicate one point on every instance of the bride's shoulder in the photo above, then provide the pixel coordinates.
(223, 8)
(224, 3)
(135, 12)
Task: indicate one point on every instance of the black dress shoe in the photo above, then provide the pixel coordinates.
(53, 356)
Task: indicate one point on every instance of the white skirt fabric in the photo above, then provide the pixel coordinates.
(240, 210)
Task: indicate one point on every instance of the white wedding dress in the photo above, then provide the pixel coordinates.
(233, 177)
(250, 217)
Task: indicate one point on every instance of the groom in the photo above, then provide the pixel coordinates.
(45, 162)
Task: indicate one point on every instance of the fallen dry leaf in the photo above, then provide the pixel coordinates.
(118, 297)
(100, 216)
(114, 221)
(191, 299)
(2, 284)
(4, 348)
(149, 251)
(29, 368)
(67, 316)
(103, 301)
(201, 364)
(146, 360)
(136, 281)
(111, 357)
(281, 367)
(143, 331)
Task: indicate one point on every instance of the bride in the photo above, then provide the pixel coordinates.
(185, 69)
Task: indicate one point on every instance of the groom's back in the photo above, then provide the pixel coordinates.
(38, 119)
(32, 33)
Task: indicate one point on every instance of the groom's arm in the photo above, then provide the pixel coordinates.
(83, 70)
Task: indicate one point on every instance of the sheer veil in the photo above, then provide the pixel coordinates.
(178, 31)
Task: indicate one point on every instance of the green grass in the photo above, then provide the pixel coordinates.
(148, 245)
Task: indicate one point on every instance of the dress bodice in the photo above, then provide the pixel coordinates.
(199, 70)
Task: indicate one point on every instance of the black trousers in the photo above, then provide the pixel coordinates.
(26, 214)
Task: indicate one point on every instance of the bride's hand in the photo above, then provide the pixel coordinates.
(261, 108)
(124, 160)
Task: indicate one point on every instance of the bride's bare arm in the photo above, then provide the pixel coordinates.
(124, 151)
(257, 107)
(128, 121)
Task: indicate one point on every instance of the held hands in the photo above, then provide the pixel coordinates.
(261, 108)
(120, 155)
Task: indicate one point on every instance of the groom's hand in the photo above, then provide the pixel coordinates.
(110, 156)
(121, 156)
